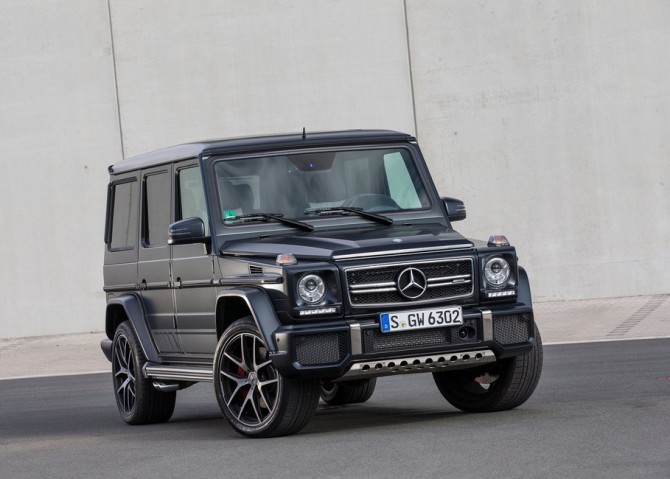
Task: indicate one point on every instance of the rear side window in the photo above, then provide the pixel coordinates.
(156, 209)
(123, 234)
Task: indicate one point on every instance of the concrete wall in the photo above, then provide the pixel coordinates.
(550, 120)
(547, 118)
(199, 70)
(58, 131)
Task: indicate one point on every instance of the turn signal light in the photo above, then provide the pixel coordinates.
(286, 259)
(498, 240)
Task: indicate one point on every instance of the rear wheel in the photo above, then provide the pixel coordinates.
(506, 384)
(347, 392)
(255, 399)
(138, 401)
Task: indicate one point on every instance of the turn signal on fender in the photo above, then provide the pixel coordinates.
(498, 240)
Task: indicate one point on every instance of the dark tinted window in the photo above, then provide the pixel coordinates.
(124, 216)
(156, 209)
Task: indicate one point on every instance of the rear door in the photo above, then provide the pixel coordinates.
(154, 258)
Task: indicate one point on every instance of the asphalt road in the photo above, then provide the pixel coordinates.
(601, 410)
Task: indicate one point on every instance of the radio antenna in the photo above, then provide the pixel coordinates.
(304, 135)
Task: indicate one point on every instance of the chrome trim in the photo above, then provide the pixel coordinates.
(451, 278)
(401, 252)
(487, 325)
(385, 287)
(370, 287)
(374, 290)
(356, 338)
(178, 373)
(418, 364)
(451, 283)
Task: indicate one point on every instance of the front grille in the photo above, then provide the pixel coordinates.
(374, 341)
(376, 285)
(325, 348)
(512, 328)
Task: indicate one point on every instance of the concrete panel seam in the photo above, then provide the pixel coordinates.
(411, 74)
(116, 82)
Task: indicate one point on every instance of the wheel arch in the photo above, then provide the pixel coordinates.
(129, 307)
(233, 304)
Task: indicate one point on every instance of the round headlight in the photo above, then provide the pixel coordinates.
(496, 271)
(311, 288)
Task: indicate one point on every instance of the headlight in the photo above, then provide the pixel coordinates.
(311, 288)
(496, 271)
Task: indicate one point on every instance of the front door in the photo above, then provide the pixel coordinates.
(192, 270)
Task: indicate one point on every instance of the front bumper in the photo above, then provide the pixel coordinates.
(357, 349)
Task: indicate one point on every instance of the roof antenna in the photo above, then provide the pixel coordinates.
(304, 136)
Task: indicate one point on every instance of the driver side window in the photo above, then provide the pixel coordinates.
(400, 184)
(192, 196)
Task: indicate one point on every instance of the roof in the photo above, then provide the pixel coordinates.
(257, 143)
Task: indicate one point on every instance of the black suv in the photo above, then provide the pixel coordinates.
(288, 268)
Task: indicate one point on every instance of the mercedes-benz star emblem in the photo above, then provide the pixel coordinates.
(412, 283)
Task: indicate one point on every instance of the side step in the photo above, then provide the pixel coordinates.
(178, 373)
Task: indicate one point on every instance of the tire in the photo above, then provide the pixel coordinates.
(504, 385)
(136, 398)
(347, 392)
(255, 399)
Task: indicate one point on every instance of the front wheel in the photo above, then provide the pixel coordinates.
(503, 385)
(255, 399)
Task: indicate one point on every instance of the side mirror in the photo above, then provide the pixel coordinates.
(187, 231)
(455, 209)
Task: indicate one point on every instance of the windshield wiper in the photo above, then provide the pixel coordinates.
(273, 217)
(346, 210)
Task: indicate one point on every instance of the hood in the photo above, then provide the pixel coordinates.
(331, 244)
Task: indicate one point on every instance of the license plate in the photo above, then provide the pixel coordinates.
(422, 319)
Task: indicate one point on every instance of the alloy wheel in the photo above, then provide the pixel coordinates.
(249, 383)
(124, 379)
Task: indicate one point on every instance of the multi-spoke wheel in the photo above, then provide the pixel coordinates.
(347, 392)
(505, 384)
(136, 398)
(253, 396)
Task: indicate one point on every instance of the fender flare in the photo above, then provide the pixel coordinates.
(523, 292)
(132, 306)
(262, 311)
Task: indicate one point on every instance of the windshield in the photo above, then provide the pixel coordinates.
(302, 185)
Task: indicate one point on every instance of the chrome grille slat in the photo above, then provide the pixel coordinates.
(372, 285)
(450, 278)
(449, 283)
(376, 285)
(374, 290)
